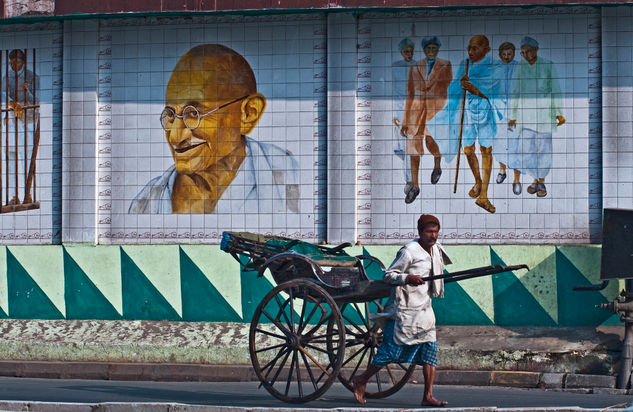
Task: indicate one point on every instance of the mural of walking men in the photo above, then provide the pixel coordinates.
(536, 112)
(427, 90)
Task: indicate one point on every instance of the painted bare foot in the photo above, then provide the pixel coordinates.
(433, 402)
(359, 389)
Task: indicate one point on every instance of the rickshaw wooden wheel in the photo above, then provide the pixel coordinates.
(362, 340)
(294, 352)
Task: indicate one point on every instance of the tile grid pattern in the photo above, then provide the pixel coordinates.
(363, 127)
(374, 219)
(57, 40)
(594, 75)
(104, 135)
(617, 109)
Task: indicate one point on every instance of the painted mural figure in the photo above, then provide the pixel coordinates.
(27, 84)
(427, 90)
(536, 112)
(400, 76)
(507, 139)
(211, 105)
(481, 115)
(409, 332)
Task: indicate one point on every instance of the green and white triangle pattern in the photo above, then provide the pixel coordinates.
(45, 266)
(202, 283)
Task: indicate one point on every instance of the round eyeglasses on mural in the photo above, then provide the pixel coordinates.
(190, 115)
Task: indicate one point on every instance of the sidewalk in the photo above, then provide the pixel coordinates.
(554, 358)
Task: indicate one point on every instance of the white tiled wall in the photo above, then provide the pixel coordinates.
(327, 81)
(617, 142)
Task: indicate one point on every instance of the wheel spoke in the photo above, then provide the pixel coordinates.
(317, 326)
(314, 339)
(309, 370)
(304, 352)
(292, 362)
(372, 352)
(270, 348)
(362, 315)
(324, 373)
(299, 385)
(271, 364)
(274, 335)
(319, 349)
(281, 366)
(292, 310)
(277, 323)
(301, 318)
(402, 366)
(378, 383)
(282, 310)
(393, 378)
(348, 360)
(359, 362)
(307, 320)
(349, 321)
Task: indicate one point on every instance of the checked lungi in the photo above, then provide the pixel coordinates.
(390, 352)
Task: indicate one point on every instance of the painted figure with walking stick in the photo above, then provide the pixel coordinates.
(478, 121)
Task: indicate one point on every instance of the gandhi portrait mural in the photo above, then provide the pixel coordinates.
(211, 106)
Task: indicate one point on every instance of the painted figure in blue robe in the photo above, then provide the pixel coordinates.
(482, 113)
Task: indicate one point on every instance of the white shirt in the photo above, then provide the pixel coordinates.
(410, 305)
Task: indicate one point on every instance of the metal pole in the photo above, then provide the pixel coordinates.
(36, 129)
(6, 119)
(626, 361)
(25, 119)
(30, 178)
(3, 107)
(625, 308)
(15, 199)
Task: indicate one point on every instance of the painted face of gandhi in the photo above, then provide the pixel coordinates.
(209, 106)
(478, 47)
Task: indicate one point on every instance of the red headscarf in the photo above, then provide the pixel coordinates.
(425, 220)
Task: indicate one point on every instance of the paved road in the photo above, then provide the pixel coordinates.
(246, 394)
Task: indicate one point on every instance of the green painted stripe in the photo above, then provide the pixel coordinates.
(141, 300)
(26, 299)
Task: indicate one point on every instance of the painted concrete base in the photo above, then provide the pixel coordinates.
(582, 350)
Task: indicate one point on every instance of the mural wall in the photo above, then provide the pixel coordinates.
(321, 127)
(344, 127)
(31, 133)
(150, 136)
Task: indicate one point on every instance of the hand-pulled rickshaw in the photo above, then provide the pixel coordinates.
(314, 326)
